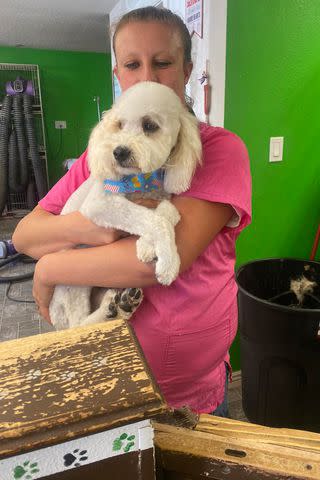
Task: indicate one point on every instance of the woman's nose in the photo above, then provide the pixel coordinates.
(149, 74)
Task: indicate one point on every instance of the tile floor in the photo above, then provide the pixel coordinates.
(21, 319)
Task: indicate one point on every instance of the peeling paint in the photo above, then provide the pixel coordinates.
(73, 382)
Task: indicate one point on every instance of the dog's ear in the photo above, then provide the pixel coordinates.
(110, 120)
(98, 144)
(185, 155)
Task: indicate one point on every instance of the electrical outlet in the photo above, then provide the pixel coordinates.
(59, 124)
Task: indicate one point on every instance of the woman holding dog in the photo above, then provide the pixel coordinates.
(185, 329)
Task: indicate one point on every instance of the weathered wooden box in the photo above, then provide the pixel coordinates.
(225, 449)
(77, 404)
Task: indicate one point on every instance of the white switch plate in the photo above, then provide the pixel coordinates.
(60, 124)
(276, 149)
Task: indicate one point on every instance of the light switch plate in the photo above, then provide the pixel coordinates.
(276, 149)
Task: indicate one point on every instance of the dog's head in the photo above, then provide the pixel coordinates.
(147, 128)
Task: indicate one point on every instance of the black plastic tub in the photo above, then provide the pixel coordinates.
(280, 344)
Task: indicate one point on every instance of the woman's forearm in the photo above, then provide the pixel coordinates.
(114, 265)
(41, 233)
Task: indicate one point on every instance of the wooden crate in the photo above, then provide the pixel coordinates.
(77, 403)
(220, 449)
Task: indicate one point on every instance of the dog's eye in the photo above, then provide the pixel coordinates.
(119, 124)
(149, 126)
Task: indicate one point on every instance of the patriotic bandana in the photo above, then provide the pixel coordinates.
(143, 182)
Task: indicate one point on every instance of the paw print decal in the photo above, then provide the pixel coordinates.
(99, 361)
(26, 470)
(124, 443)
(33, 374)
(75, 457)
(67, 375)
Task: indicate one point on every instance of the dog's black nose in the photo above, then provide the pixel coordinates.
(121, 154)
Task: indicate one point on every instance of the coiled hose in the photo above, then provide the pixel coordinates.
(5, 125)
(18, 174)
(37, 163)
(18, 257)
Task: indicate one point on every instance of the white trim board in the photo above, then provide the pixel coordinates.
(82, 451)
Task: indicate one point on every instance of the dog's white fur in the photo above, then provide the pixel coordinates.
(175, 146)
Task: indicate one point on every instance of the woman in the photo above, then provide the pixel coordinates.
(186, 329)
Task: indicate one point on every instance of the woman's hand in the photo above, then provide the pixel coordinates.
(83, 231)
(147, 202)
(42, 291)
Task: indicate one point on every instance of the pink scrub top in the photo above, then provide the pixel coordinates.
(186, 329)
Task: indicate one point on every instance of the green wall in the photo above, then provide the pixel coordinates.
(69, 82)
(273, 89)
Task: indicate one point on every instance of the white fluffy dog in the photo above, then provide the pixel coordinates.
(148, 129)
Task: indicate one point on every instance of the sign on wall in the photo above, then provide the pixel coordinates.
(194, 16)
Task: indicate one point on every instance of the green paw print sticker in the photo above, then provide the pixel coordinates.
(26, 471)
(123, 443)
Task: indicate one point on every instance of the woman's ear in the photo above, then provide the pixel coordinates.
(116, 71)
(185, 155)
(187, 71)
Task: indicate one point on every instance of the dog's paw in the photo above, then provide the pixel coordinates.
(130, 300)
(167, 271)
(124, 304)
(145, 249)
(167, 210)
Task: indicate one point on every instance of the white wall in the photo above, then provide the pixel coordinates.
(211, 47)
(217, 56)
